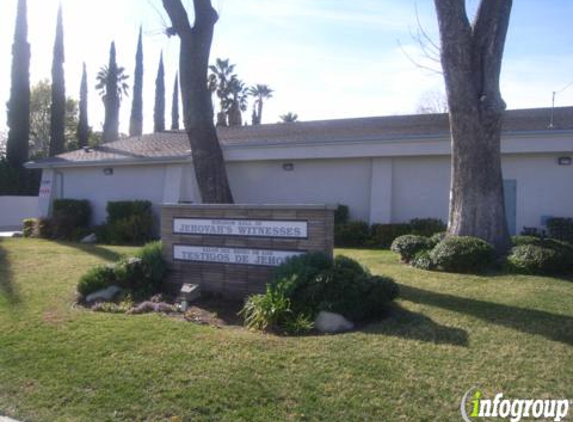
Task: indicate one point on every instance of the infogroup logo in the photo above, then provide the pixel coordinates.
(513, 409)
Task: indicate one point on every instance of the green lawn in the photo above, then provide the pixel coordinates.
(448, 333)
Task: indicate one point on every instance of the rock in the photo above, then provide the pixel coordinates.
(17, 234)
(329, 322)
(92, 238)
(104, 295)
(147, 307)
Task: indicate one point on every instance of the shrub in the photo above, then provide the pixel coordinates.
(70, 218)
(533, 231)
(341, 214)
(426, 226)
(548, 257)
(525, 240)
(436, 238)
(44, 228)
(423, 261)
(463, 254)
(128, 222)
(354, 234)
(308, 284)
(30, 225)
(95, 279)
(561, 229)
(142, 274)
(382, 235)
(409, 245)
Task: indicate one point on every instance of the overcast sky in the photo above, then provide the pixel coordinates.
(324, 58)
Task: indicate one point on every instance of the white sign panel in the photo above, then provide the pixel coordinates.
(232, 227)
(241, 256)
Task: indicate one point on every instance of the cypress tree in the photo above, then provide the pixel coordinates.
(175, 108)
(83, 126)
(58, 107)
(17, 148)
(136, 121)
(159, 113)
(111, 100)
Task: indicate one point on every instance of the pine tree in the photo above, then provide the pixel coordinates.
(159, 113)
(136, 121)
(58, 107)
(111, 100)
(17, 148)
(83, 126)
(175, 108)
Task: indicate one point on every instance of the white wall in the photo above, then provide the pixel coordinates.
(379, 189)
(13, 209)
(126, 183)
(311, 181)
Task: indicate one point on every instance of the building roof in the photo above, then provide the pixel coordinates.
(174, 146)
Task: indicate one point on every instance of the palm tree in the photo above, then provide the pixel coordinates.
(290, 117)
(237, 101)
(122, 86)
(219, 79)
(260, 93)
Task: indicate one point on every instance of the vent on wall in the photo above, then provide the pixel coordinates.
(108, 171)
(564, 161)
(288, 166)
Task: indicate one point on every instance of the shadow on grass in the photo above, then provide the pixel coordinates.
(551, 326)
(7, 287)
(400, 322)
(95, 250)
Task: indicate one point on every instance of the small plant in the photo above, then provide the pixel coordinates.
(463, 254)
(30, 225)
(409, 245)
(70, 218)
(526, 240)
(128, 222)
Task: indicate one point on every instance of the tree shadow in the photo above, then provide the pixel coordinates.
(95, 250)
(551, 326)
(400, 322)
(8, 289)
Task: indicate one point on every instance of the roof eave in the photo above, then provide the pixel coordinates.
(113, 163)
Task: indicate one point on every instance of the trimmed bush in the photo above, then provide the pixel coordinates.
(354, 234)
(409, 245)
(341, 214)
(128, 222)
(560, 229)
(30, 225)
(436, 238)
(308, 284)
(154, 266)
(463, 254)
(542, 257)
(95, 279)
(426, 226)
(382, 235)
(525, 240)
(423, 261)
(70, 218)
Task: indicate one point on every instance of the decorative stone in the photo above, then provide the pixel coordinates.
(190, 292)
(104, 295)
(90, 239)
(329, 322)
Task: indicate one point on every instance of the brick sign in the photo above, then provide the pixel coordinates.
(233, 249)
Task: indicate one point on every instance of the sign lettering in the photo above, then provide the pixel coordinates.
(232, 227)
(241, 256)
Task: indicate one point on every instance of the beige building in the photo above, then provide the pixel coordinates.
(386, 169)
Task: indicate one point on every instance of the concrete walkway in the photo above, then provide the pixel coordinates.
(8, 234)
(7, 419)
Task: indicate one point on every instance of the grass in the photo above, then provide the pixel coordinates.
(448, 333)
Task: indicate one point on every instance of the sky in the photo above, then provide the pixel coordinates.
(325, 59)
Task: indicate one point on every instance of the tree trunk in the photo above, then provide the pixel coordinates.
(471, 59)
(198, 112)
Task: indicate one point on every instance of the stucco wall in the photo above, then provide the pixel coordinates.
(311, 181)
(13, 209)
(126, 183)
(379, 189)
